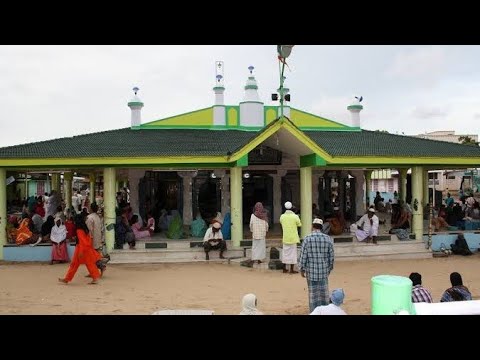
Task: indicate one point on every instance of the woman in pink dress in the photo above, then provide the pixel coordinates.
(138, 230)
(150, 223)
(58, 237)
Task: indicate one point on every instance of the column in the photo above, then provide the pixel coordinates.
(315, 181)
(187, 178)
(134, 176)
(402, 186)
(236, 204)
(225, 185)
(360, 207)
(277, 195)
(91, 195)
(109, 203)
(67, 187)
(368, 187)
(117, 185)
(417, 196)
(26, 185)
(3, 210)
(425, 188)
(306, 199)
(56, 182)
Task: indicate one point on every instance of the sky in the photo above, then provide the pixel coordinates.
(49, 92)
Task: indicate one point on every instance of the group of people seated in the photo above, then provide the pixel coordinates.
(129, 227)
(457, 292)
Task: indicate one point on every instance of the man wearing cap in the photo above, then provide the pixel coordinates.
(316, 263)
(213, 240)
(367, 226)
(336, 299)
(290, 224)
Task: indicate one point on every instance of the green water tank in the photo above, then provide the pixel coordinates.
(391, 294)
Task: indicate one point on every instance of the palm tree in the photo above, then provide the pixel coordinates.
(467, 140)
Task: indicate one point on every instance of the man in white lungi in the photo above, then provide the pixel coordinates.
(259, 228)
(367, 226)
(290, 224)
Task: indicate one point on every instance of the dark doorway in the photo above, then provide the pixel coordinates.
(257, 188)
(208, 196)
(160, 190)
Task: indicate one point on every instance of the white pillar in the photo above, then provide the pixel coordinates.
(360, 207)
(67, 188)
(417, 196)
(236, 205)
(187, 177)
(109, 203)
(91, 195)
(134, 176)
(225, 185)
(277, 195)
(3, 210)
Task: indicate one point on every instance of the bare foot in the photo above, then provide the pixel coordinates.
(93, 282)
(293, 272)
(102, 271)
(88, 275)
(63, 280)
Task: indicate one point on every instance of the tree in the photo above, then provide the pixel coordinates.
(467, 140)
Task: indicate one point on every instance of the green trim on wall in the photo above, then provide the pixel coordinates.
(251, 87)
(312, 160)
(251, 102)
(208, 127)
(135, 103)
(242, 162)
(353, 128)
(176, 116)
(233, 116)
(354, 107)
(317, 116)
(218, 88)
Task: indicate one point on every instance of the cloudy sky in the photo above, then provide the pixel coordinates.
(56, 91)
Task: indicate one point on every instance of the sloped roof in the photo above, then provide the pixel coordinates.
(203, 142)
(377, 143)
(135, 143)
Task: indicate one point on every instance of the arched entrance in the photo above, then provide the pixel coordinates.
(257, 187)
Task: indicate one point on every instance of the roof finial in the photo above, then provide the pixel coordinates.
(250, 68)
(135, 90)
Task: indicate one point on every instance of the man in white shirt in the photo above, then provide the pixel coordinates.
(333, 308)
(213, 240)
(367, 227)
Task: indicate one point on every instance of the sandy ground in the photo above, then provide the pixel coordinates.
(142, 289)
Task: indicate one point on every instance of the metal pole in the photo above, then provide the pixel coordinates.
(281, 90)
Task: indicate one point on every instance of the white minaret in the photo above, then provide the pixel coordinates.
(355, 109)
(219, 115)
(251, 108)
(135, 104)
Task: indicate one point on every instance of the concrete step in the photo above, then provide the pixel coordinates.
(172, 255)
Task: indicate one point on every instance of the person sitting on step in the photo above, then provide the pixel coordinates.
(213, 240)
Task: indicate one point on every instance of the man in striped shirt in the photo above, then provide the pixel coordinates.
(419, 293)
(316, 261)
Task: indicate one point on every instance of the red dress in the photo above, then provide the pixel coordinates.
(84, 254)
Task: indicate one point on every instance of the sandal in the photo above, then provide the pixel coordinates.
(63, 280)
(93, 282)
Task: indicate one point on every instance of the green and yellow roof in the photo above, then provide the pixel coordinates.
(191, 140)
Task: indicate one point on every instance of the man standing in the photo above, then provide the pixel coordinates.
(290, 224)
(94, 224)
(316, 260)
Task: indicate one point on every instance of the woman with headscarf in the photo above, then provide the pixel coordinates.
(458, 292)
(24, 233)
(84, 254)
(58, 237)
(259, 228)
(249, 304)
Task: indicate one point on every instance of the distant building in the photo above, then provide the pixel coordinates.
(450, 180)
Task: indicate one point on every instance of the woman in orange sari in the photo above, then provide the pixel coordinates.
(24, 234)
(84, 254)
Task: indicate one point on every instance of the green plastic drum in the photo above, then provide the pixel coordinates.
(391, 294)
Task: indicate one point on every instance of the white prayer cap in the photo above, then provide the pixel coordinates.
(216, 225)
(372, 209)
(288, 205)
(317, 221)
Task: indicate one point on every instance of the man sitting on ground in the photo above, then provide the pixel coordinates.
(336, 299)
(213, 240)
(419, 293)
